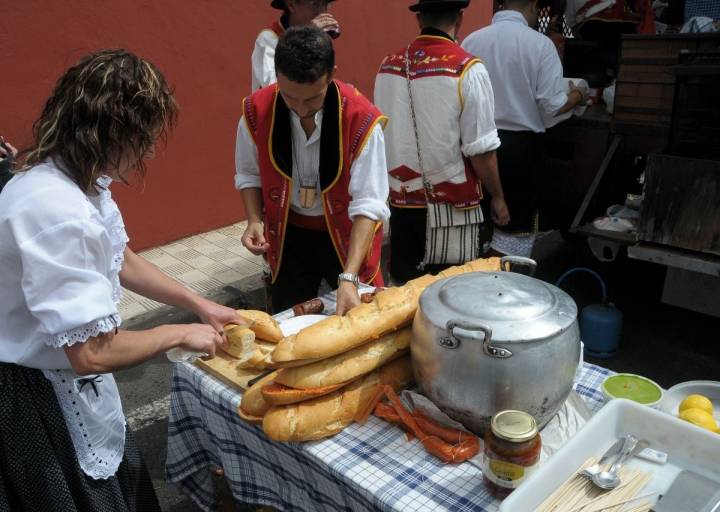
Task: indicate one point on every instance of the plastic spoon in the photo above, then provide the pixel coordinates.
(610, 479)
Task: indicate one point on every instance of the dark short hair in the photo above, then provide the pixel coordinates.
(304, 54)
(439, 17)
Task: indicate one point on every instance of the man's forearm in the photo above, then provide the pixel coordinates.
(361, 237)
(252, 198)
(485, 167)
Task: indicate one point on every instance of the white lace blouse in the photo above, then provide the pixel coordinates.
(60, 255)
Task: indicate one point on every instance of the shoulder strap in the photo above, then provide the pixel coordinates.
(427, 185)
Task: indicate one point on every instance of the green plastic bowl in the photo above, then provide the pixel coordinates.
(633, 387)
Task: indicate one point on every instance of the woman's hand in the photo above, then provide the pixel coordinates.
(199, 338)
(217, 315)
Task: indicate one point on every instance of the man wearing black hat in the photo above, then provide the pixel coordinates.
(295, 13)
(440, 145)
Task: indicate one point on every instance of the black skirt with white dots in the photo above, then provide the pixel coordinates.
(39, 470)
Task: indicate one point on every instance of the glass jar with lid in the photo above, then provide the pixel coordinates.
(512, 451)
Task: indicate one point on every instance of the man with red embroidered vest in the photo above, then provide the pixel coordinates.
(310, 163)
(295, 13)
(441, 139)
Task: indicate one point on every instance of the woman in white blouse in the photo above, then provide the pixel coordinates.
(63, 258)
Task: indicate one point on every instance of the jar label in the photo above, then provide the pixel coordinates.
(506, 474)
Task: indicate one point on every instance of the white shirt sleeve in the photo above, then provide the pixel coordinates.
(263, 60)
(65, 283)
(369, 186)
(247, 170)
(550, 94)
(477, 120)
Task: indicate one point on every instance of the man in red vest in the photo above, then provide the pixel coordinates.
(310, 163)
(295, 13)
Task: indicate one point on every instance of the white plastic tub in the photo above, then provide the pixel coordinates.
(687, 446)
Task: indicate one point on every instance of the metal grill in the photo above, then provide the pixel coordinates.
(544, 19)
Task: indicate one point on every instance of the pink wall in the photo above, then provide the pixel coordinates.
(203, 48)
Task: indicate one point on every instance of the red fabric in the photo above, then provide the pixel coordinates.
(358, 119)
(315, 222)
(432, 56)
(277, 28)
(620, 12)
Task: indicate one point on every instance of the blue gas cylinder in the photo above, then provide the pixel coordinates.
(600, 326)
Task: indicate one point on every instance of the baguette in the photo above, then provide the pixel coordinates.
(327, 415)
(243, 346)
(255, 420)
(253, 404)
(349, 365)
(391, 309)
(257, 357)
(278, 394)
(241, 340)
(263, 325)
(270, 363)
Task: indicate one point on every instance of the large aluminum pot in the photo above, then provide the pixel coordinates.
(490, 341)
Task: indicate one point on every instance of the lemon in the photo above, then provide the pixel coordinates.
(696, 402)
(700, 418)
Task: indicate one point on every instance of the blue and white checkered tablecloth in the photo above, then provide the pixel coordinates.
(365, 467)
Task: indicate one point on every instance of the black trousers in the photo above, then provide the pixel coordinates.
(308, 257)
(407, 244)
(520, 161)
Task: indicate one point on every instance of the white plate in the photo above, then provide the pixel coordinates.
(678, 393)
(295, 324)
(687, 446)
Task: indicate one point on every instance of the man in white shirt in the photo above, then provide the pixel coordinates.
(527, 78)
(441, 142)
(310, 163)
(295, 13)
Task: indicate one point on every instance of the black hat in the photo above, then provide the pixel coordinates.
(280, 4)
(438, 5)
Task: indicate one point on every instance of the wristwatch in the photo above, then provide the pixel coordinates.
(349, 277)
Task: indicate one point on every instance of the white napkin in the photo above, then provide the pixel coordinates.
(551, 121)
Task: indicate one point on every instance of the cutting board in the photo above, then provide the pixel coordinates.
(224, 367)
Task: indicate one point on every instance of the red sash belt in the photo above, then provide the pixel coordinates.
(314, 222)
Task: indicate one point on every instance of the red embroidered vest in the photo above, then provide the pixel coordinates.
(277, 28)
(432, 56)
(348, 120)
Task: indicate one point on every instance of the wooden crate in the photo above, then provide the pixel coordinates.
(681, 207)
(645, 87)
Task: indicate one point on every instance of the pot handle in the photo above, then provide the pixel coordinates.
(470, 330)
(520, 261)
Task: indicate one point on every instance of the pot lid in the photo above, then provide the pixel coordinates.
(514, 306)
